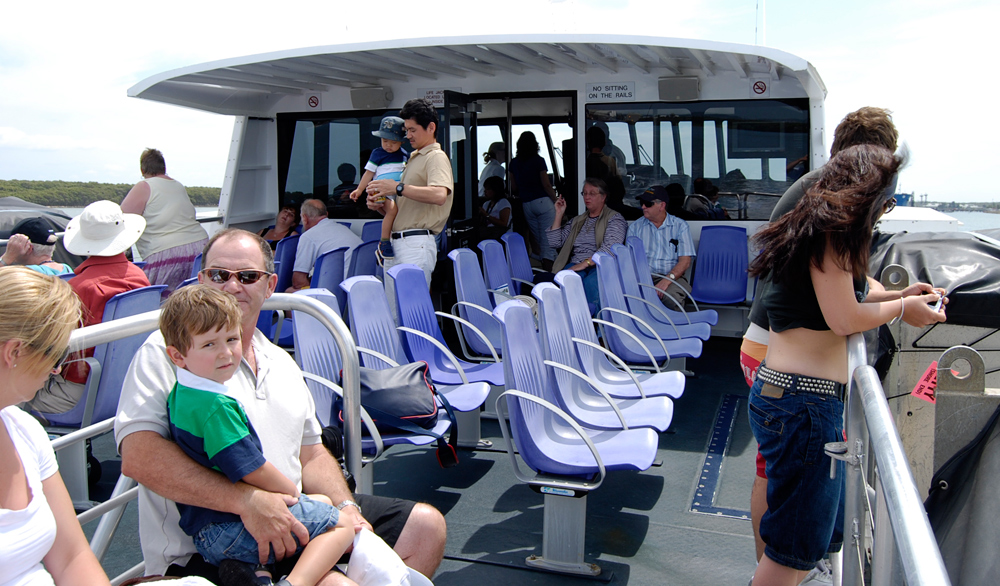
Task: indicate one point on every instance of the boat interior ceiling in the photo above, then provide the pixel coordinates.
(252, 85)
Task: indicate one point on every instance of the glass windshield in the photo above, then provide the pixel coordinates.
(743, 147)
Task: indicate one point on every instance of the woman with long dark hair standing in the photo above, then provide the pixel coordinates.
(529, 179)
(817, 257)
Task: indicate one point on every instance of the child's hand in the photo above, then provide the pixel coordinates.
(355, 194)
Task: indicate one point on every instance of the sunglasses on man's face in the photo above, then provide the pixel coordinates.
(649, 204)
(245, 277)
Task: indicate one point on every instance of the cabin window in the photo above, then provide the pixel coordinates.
(743, 146)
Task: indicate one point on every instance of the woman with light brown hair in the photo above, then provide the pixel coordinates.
(173, 236)
(37, 522)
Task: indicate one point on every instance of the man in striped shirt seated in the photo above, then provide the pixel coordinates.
(668, 244)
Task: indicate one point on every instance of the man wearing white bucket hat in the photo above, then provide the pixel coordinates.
(102, 232)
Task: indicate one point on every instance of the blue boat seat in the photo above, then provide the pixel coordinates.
(651, 293)
(720, 269)
(474, 306)
(518, 262)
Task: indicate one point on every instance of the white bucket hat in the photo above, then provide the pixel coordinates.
(103, 230)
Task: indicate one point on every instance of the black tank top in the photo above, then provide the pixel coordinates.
(794, 304)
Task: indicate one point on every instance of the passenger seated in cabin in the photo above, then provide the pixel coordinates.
(596, 230)
(201, 330)
(319, 234)
(31, 244)
(705, 203)
(668, 244)
(280, 408)
(609, 147)
(286, 223)
(40, 538)
(603, 167)
(495, 212)
(346, 173)
(102, 233)
(817, 259)
(675, 202)
(386, 162)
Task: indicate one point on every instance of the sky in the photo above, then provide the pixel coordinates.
(65, 68)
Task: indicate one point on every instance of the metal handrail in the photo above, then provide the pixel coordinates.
(871, 431)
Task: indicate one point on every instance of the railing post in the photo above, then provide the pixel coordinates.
(855, 508)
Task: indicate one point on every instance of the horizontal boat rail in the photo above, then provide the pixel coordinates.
(882, 496)
(111, 511)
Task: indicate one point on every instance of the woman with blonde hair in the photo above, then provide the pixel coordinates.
(37, 522)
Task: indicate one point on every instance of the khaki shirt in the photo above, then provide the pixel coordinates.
(427, 167)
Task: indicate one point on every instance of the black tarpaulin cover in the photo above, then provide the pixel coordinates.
(965, 264)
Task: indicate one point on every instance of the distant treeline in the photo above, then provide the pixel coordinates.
(75, 194)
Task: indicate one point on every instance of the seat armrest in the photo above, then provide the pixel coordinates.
(614, 358)
(646, 326)
(461, 321)
(444, 349)
(604, 323)
(365, 417)
(593, 384)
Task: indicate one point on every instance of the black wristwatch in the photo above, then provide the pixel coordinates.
(399, 189)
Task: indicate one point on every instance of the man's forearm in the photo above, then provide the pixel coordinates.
(321, 474)
(161, 466)
(431, 194)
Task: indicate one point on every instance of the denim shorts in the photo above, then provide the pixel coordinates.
(805, 507)
(231, 541)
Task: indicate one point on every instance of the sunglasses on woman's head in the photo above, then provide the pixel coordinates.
(889, 205)
(245, 277)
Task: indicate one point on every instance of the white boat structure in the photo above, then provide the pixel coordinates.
(678, 109)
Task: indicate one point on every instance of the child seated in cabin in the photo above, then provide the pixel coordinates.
(201, 328)
(386, 162)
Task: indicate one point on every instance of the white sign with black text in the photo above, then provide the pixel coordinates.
(611, 92)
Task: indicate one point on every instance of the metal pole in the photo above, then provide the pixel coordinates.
(855, 516)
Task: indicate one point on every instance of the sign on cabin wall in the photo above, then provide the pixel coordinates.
(436, 95)
(314, 102)
(760, 87)
(619, 91)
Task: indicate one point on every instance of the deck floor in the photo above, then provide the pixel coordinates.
(640, 528)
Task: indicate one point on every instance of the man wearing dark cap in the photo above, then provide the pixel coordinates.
(667, 240)
(31, 244)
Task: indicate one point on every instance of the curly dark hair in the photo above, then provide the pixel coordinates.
(867, 125)
(839, 210)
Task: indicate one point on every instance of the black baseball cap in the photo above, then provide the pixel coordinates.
(656, 192)
(37, 231)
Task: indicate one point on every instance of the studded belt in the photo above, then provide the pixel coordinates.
(797, 382)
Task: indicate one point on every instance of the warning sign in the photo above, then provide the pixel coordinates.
(760, 88)
(436, 95)
(314, 102)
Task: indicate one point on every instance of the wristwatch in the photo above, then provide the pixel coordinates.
(349, 503)
(670, 276)
(399, 190)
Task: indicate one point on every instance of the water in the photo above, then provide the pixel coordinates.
(973, 221)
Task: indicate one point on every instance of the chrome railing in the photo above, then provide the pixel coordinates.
(882, 496)
(110, 512)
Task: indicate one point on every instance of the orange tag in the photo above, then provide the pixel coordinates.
(928, 382)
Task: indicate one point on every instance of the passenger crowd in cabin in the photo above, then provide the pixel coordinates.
(416, 198)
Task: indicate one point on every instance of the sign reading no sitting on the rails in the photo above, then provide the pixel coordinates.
(611, 92)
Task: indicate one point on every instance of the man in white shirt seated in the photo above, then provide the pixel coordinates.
(319, 234)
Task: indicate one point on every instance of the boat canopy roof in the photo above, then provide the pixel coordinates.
(253, 85)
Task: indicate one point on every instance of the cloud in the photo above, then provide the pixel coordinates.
(15, 138)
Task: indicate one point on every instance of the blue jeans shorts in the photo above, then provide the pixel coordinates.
(231, 541)
(805, 507)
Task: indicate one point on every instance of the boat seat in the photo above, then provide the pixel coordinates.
(474, 306)
(569, 460)
(650, 293)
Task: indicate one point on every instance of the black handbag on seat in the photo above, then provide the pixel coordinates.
(403, 399)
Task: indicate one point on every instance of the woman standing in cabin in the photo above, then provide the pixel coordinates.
(494, 158)
(817, 257)
(173, 237)
(37, 522)
(529, 179)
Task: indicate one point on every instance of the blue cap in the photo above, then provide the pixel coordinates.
(391, 128)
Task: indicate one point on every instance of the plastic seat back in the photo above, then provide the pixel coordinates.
(317, 352)
(284, 253)
(720, 269)
(328, 273)
(114, 358)
(416, 311)
(495, 271)
(471, 288)
(363, 261)
(371, 231)
(371, 321)
(196, 265)
(518, 261)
